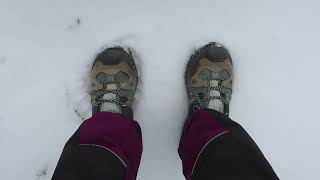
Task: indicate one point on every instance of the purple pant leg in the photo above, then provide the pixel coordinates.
(118, 134)
(199, 130)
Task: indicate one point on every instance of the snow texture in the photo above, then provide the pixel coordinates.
(47, 47)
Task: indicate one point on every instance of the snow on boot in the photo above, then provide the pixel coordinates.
(114, 81)
(209, 77)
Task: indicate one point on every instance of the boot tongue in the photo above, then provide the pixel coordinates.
(215, 104)
(108, 106)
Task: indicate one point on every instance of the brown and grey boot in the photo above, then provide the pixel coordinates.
(114, 81)
(209, 78)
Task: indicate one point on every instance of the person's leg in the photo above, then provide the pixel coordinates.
(106, 146)
(109, 144)
(213, 146)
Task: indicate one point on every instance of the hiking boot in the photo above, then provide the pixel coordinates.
(114, 81)
(209, 78)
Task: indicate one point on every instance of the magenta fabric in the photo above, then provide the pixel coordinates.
(199, 129)
(117, 133)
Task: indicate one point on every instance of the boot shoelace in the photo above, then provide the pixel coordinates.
(115, 91)
(204, 96)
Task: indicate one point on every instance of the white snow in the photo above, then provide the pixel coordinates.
(45, 57)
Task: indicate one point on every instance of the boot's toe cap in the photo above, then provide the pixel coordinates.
(217, 53)
(113, 56)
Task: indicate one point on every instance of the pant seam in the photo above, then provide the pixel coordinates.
(215, 137)
(121, 160)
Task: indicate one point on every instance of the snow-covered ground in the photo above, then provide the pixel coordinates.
(46, 49)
